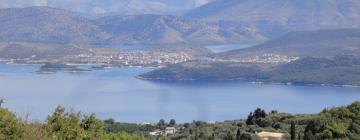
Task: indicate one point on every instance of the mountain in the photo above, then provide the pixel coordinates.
(57, 26)
(275, 17)
(39, 50)
(47, 25)
(96, 8)
(164, 29)
(321, 43)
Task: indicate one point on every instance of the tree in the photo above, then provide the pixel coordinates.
(10, 127)
(172, 122)
(109, 121)
(162, 124)
(293, 131)
(212, 137)
(245, 136)
(64, 125)
(257, 117)
(249, 120)
(259, 113)
(238, 134)
(229, 136)
(1, 102)
(197, 134)
(73, 125)
(94, 128)
(309, 136)
(274, 112)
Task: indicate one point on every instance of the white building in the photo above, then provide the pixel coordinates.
(156, 133)
(170, 130)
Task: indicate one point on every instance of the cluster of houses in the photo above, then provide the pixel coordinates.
(261, 135)
(270, 136)
(135, 58)
(167, 131)
(267, 58)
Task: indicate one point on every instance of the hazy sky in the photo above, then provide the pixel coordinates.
(96, 7)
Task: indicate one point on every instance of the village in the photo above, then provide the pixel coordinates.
(172, 129)
(112, 58)
(267, 58)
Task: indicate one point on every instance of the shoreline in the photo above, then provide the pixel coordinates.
(249, 81)
(190, 79)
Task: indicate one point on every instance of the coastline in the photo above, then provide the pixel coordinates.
(259, 82)
(249, 81)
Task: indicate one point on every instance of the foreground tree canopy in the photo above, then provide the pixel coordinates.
(335, 123)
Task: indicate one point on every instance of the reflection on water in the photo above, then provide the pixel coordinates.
(115, 93)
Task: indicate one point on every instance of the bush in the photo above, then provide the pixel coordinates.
(10, 127)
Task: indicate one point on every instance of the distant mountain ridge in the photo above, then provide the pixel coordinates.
(321, 43)
(275, 17)
(217, 22)
(165, 29)
(47, 25)
(52, 25)
(96, 8)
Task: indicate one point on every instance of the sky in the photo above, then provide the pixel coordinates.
(104, 7)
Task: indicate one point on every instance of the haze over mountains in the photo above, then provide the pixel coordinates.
(279, 16)
(47, 25)
(51, 25)
(163, 29)
(96, 8)
(321, 43)
(215, 22)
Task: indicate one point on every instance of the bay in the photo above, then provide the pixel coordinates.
(116, 93)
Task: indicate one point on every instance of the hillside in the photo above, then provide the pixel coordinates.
(162, 29)
(51, 25)
(340, 70)
(320, 43)
(38, 50)
(217, 22)
(47, 25)
(312, 57)
(275, 17)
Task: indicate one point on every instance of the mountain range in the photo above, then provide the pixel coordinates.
(320, 43)
(160, 29)
(215, 22)
(47, 25)
(96, 8)
(52, 25)
(275, 17)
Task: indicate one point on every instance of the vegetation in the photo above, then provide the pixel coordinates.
(61, 125)
(335, 123)
(339, 70)
(54, 67)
